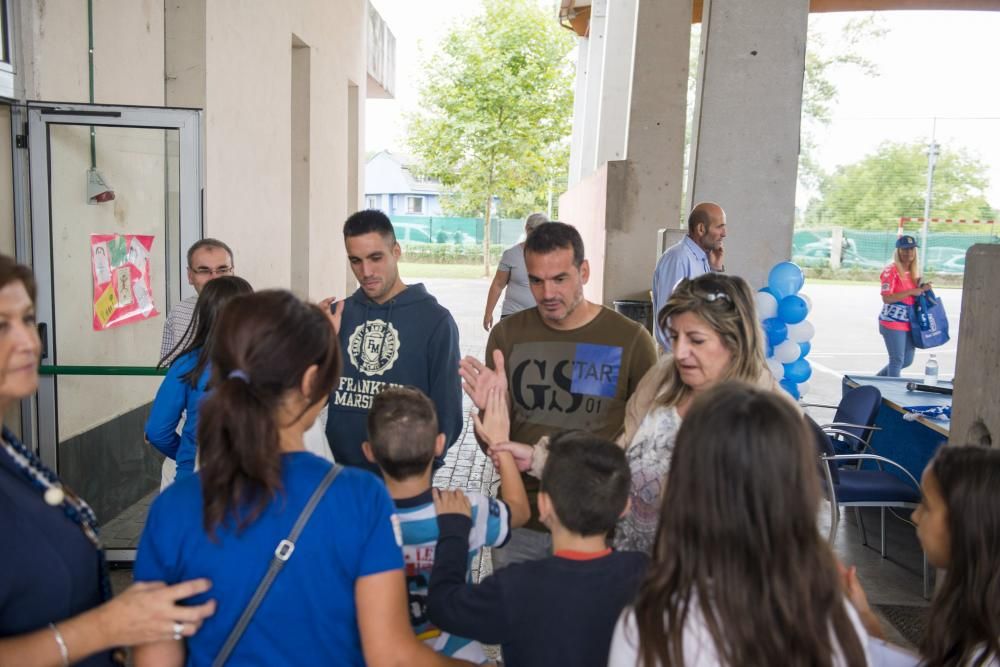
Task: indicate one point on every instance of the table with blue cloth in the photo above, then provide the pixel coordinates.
(910, 443)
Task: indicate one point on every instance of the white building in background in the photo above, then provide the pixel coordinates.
(392, 187)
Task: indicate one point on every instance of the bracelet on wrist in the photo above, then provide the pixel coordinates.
(63, 649)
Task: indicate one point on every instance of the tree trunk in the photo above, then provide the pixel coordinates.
(486, 235)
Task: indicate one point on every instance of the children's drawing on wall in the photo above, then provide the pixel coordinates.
(122, 282)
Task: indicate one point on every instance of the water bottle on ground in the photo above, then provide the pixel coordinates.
(931, 372)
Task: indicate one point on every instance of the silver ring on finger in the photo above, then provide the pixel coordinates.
(178, 631)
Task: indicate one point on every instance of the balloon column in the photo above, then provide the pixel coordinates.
(782, 312)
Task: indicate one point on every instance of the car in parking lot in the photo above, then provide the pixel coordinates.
(817, 254)
(955, 265)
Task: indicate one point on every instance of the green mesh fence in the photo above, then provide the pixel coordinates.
(866, 249)
(457, 231)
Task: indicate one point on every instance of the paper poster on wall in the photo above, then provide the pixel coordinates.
(123, 292)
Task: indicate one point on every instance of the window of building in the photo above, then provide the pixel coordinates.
(414, 205)
(4, 34)
(6, 46)
(372, 201)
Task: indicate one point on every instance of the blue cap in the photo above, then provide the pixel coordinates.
(906, 242)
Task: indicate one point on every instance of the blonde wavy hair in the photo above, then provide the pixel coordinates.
(913, 269)
(726, 304)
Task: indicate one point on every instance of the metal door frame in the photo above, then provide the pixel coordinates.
(33, 230)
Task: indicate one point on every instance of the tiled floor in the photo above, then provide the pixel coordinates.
(123, 531)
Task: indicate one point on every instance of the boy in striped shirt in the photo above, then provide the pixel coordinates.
(403, 440)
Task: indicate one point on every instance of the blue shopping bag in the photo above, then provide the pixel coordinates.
(928, 321)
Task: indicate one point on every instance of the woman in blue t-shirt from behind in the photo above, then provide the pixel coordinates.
(181, 391)
(341, 597)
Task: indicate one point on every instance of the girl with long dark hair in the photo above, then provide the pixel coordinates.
(341, 597)
(184, 386)
(740, 573)
(958, 524)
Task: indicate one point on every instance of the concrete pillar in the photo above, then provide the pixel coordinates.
(745, 139)
(579, 113)
(595, 77)
(655, 148)
(616, 82)
(975, 416)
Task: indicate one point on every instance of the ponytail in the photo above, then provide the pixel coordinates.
(238, 469)
(262, 346)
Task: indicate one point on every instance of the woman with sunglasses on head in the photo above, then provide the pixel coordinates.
(55, 595)
(340, 598)
(712, 325)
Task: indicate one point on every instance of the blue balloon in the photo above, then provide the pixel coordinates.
(785, 279)
(798, 371)
(792, 309)
(776, 330)
(771, 292)
(791, 387)
(805, 347)
(769, 349)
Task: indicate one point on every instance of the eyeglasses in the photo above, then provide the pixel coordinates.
(218, 271)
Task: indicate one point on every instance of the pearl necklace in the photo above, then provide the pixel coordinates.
(55, 494)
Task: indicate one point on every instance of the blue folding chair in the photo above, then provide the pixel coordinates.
(854, 420)
(855, 487)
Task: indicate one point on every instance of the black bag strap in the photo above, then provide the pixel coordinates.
(282, 553)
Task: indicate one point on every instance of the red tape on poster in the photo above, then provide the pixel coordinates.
(123, 291)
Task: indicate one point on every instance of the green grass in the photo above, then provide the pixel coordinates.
(412, 270)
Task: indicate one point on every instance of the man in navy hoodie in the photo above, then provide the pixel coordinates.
(391, 334)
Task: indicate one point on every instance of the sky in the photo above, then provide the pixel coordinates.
(932, 65)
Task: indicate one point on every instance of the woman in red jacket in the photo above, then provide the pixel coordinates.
(900, 284)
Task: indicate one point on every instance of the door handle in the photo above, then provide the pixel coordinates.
(43, 334)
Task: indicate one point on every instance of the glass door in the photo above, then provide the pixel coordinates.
(115, 203)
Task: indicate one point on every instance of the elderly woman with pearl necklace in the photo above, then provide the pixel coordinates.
(55, 597)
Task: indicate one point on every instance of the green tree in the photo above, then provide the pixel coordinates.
(876, 191)
(819, 93)
(495, 111)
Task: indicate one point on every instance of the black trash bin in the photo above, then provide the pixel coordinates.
(639, 311)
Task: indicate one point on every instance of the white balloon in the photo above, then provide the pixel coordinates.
(777, 370)
(801, 333)
(787, 352)
(803, 388)
(809, 302)
(767, 306)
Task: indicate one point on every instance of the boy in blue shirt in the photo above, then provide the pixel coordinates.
(403, 440)
(560, 610)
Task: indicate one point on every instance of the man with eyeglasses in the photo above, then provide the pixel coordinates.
(701, 251)
(207, 259)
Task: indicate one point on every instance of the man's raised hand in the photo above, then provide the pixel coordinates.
(478, 378)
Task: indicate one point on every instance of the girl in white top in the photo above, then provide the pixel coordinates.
(740, 573)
